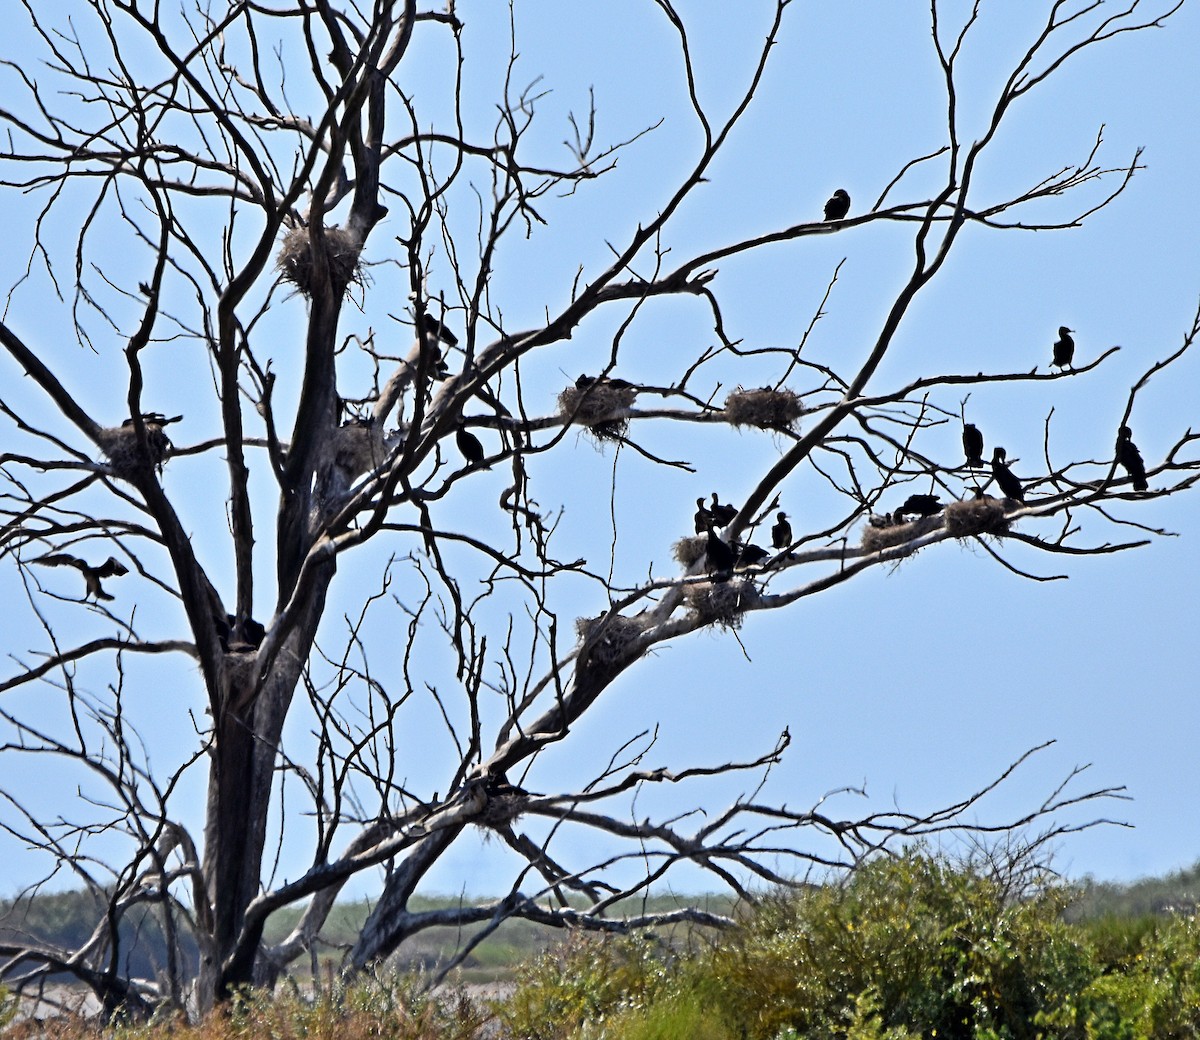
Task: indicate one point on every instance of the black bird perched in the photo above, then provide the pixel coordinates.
(722, 514)
(469, 445)
(583, 382)
(1131, 459)
(719, 556)
(781, 532)
(153, 419)
(923, 505)
(750, 554)
(1009, 484)
(430, 326)
(243, 638)
(704, 519)
(110, 568)
(973, 446)
(1064, 348)
(838, 205)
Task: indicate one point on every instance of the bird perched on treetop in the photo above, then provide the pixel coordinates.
(1131, 459)
(110, 568)
(838, 205)
(1009, 484)
(781, 532)
(1064, 348)
(722, 514)
(972, 440)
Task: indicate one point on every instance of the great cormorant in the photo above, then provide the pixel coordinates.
(1064, 348)
(722, 514)
(1131, 459)
(923, 505)
(838, 205)
(781, 532)
(469, 445)
(972, 440)
(110, 568)
(719, 557)
(1008, 483)
(430, 326)
(750, 554)
(703, 519)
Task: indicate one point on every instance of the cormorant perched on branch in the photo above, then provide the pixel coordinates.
(1131, 459)
(584, 381)
(1008, 483)
(838, 205)
(719, 557)
(703, 519)
(781, 532)
(430, 326)
(153, 419)
(110, 568)
(722, 514)
(750, 554)
(1064, 348)
(469, 445)
(973, 445)
(923, 505)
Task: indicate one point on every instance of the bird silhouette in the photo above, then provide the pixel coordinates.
(703, 518)
(1131, 459)
(469, 445)
(972, 441)
(838, 205)
(923, 505)
(1008, 483)
(1064, 348)
(722, 514)
(430, 326)
(781, 532)
(750, 554)
(110, 568)
(153, 419)
(584, 381)
(719, 557)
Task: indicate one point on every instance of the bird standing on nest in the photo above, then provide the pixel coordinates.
(1064, 348)
(1008, 483)
(719, 557)
(781, 532)
(972, 440)
(922, 505)
(838, 205)
(110, 568)
(1131, 459)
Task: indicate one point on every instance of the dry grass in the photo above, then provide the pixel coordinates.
(688, 551)
(876, 538)
(722, 603)
(342, 252)
(975, 516)
(601, 407)
(766, 409)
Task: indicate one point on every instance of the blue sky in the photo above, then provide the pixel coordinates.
(923, 681)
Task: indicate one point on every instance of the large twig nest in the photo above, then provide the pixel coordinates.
(125, 455)
(608, 639)
(357, 447)
(722, 603)
(600, 406)
(688, 551)
(974, 516)
(876, 537)
(342, 253)
(766, 408)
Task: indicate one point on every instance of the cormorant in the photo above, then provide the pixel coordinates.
(583, 382)
(781, 532)
(722, 514)
(153, 419)
(1064, 348)
(1008, 483)
(719, 557)
(923, 505)
(838, 205)
(1131, 459)
(704, 519)
(973, 445)
(110, 568)
(430, 326)
(750, 554)
(469, 445)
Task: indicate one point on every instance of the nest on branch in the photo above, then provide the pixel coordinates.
(975, 516)
(722, 603)
(357, 447)
(501, 809)
(688, 551)
(601, 407)
(884, 536)
(766, 409)
(342, 254)
(126, 456)
(608, 640)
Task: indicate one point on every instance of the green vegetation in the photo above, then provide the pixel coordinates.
(906, 948)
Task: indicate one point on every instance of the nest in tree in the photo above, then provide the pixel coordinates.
(688, 551)
(722, 603)
(342, 252)
(600, 406)
(501, 809)
(766, 408)
(974, 516)
(876, 537)
(126, 456)
(357, 447)
(608, 639)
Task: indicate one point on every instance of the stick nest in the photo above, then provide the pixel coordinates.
(975, 516)
(766, 409)
(500, 810)
(600, 407)
(722, 603)
(342, 253)
(875, 538)
(125, 454)
(608, 640)
(687, 551)
(357, 448)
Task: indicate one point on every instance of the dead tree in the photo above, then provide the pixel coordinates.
(250, 214)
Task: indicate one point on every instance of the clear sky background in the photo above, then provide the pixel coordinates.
(923, 681)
